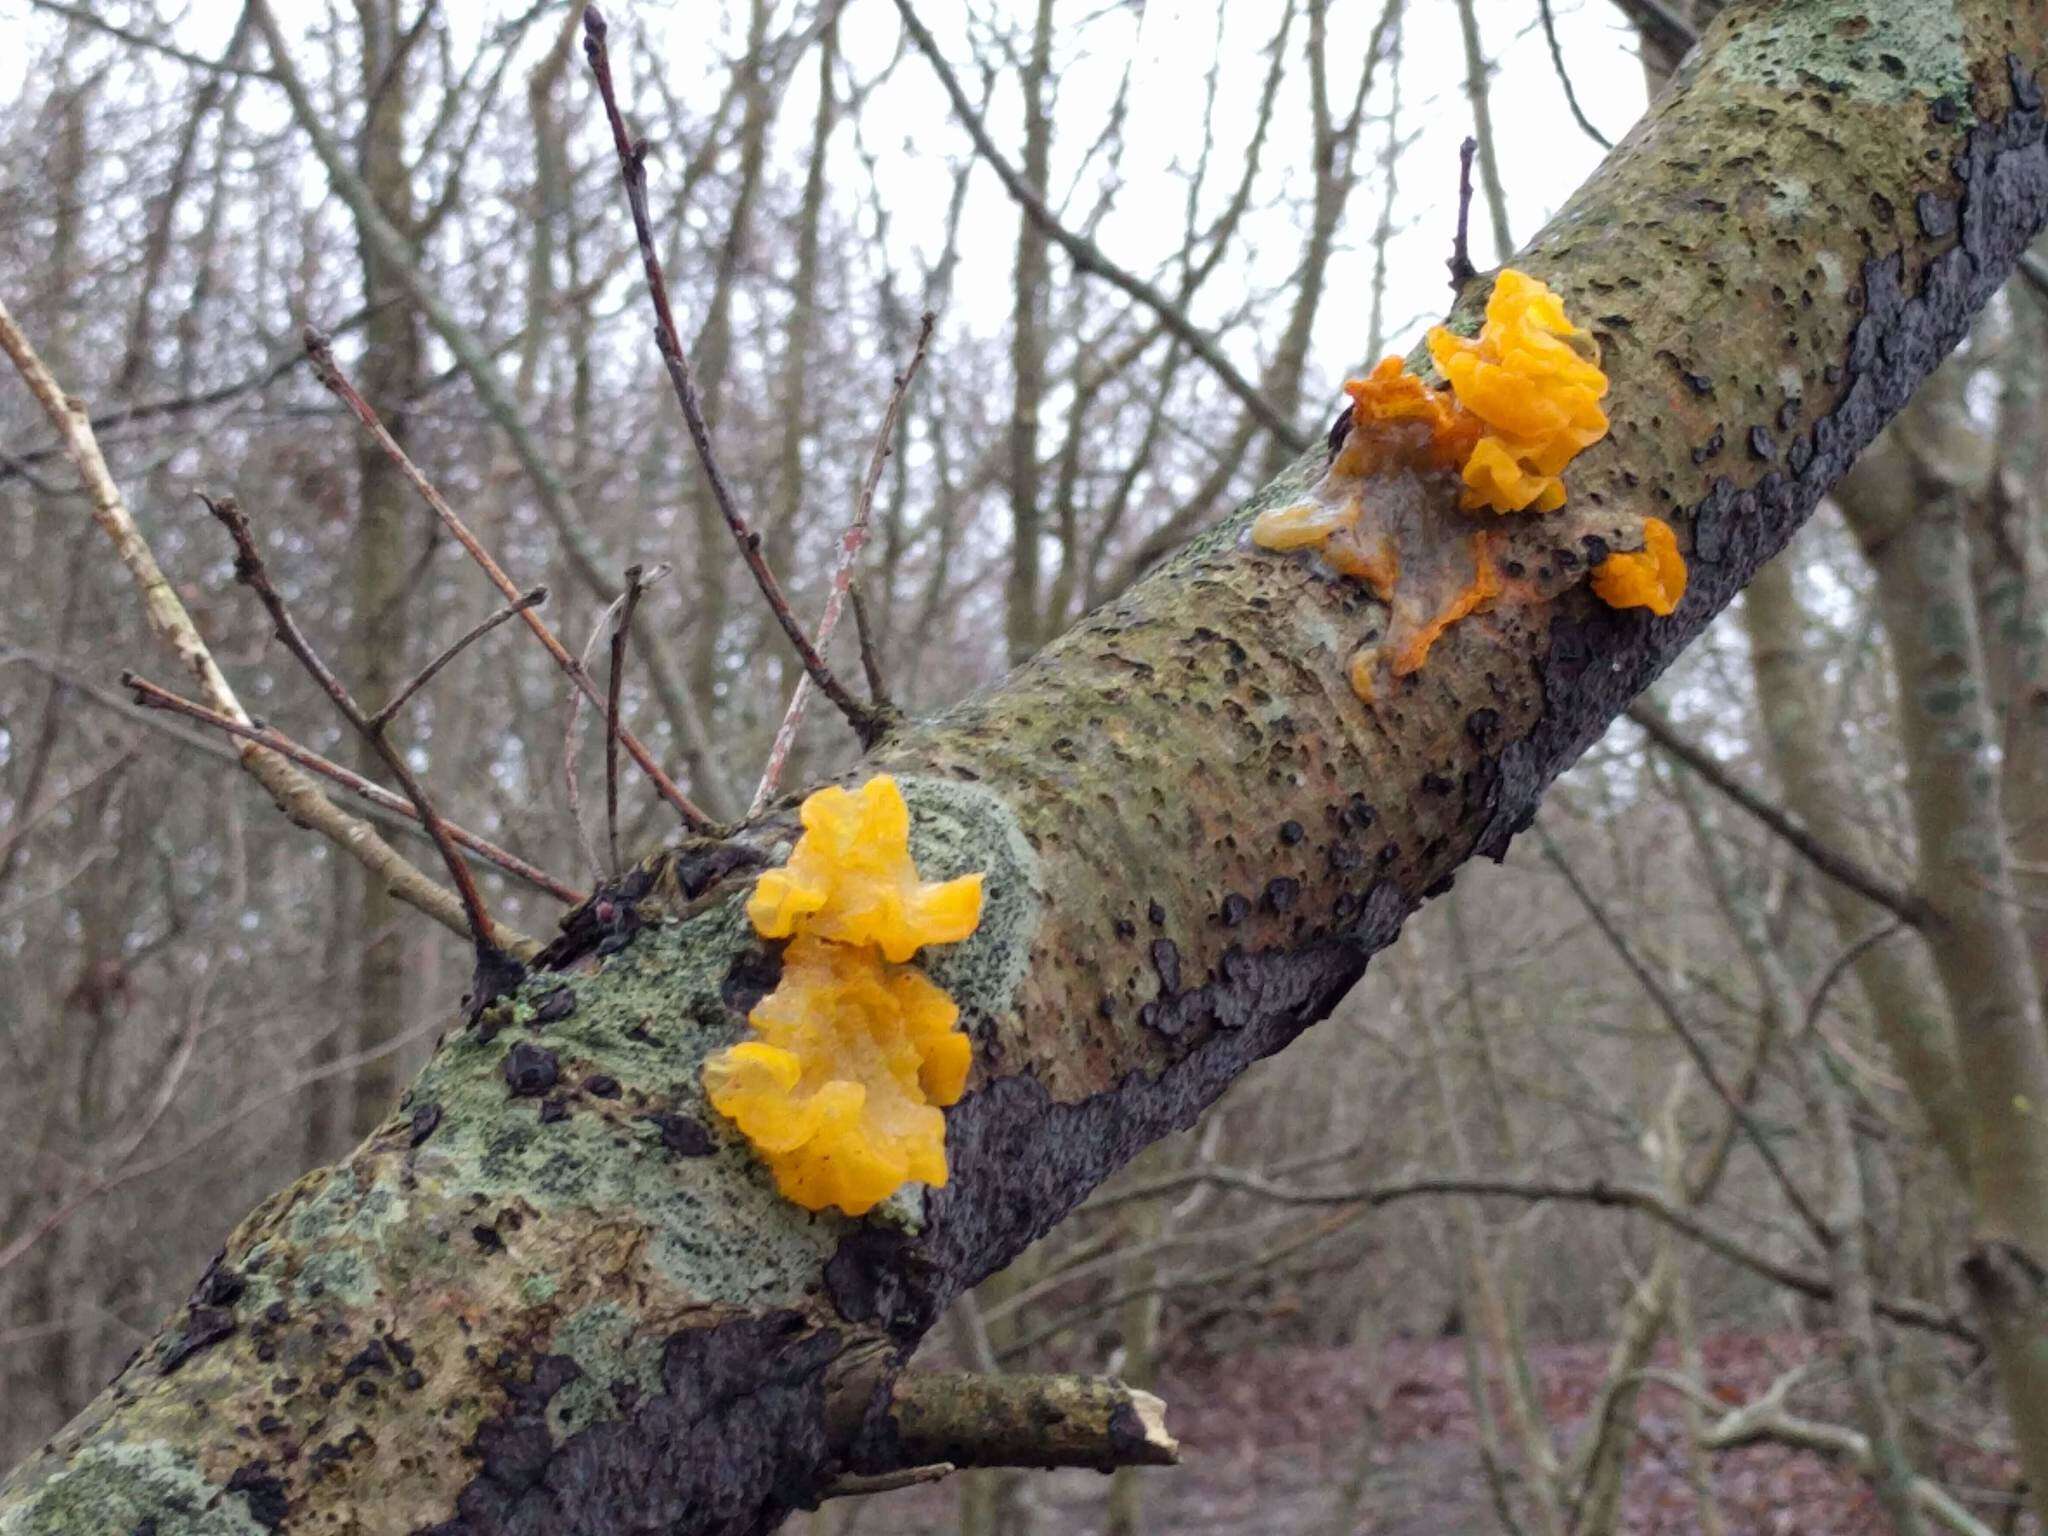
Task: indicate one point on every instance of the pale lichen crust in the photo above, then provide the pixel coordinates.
(854, 1055)
(1403, 506)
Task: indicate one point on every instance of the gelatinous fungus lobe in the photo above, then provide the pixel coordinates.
(1403, 504)
(850, 879)
(1533, 380)
(855, 1054)
(1652, 578)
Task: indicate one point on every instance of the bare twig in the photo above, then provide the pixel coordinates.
(293, 793)
(621, 633)
(1462, 270)
(1839, 967)
(426, 674)
(1641, 1198)
(850, 544)
(870, 653)
(330, 374)
(150, 696)
(250, 571)
(1564, 78)
(1907, 907)
(633, 171)
(859, 1485)
(85, 16)
(572, 780)
(1087, 257)
(1681, 1026)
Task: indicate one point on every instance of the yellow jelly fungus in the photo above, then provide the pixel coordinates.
(854, 1054)
(1652, 579)
(841, 1089)
(1533, 380)
(1305, 525)
(850, 879)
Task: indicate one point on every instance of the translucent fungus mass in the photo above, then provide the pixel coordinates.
(854, 1055)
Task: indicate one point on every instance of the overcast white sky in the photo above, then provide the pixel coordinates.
(1167, 44)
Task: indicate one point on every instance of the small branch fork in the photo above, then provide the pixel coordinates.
(1462, 270)
(330, 374)
(150, 696)
(250, 571)
(850, 545)
(868, 723)
(425, 675)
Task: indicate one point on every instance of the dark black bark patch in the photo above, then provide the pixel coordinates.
(426, 1119)
(732, 1442)
(268, 1503)
(600, 1085)
(221, 1286)
(530, 1070)
(496, 975)
(204, 1327)
(556, 1006)
(682, 1135)
(1166, 961)
(755, 972)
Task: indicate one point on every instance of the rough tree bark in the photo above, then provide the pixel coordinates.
(507, 1313)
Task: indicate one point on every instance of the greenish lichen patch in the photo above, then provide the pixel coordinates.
(957, 828)
(117, 1488)
(1832, 44)
(715, 1228)
(616, 1361)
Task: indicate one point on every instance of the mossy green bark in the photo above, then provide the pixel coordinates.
(561, 1294)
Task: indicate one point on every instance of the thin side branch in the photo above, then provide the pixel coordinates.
(1907, 907)
(1088, 257)
(330, 374)
(870, 653)
(150, 696)
(292, 791)
(1462, 270)
(251, 572)
(1647, 1201)
(975, 1420)
(850, 544)
(1564, 78)
(633, 171)
(426, 674)
(1681, 1026)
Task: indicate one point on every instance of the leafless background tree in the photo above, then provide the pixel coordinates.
(1633, 1193)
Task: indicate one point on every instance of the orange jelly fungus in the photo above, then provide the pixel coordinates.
(1533, 380)
(854, 1054)
(1652, 579)
(1523, 401)
(850, 879)
(1418, 427)
(1481, 591)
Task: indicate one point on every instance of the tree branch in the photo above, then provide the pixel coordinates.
(850, 544)
(426, 674)
(1087, 256)
(329, 373)
(633, 171)
(293, 793)
(150, 696)
(251, 572)
(1902, 904)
